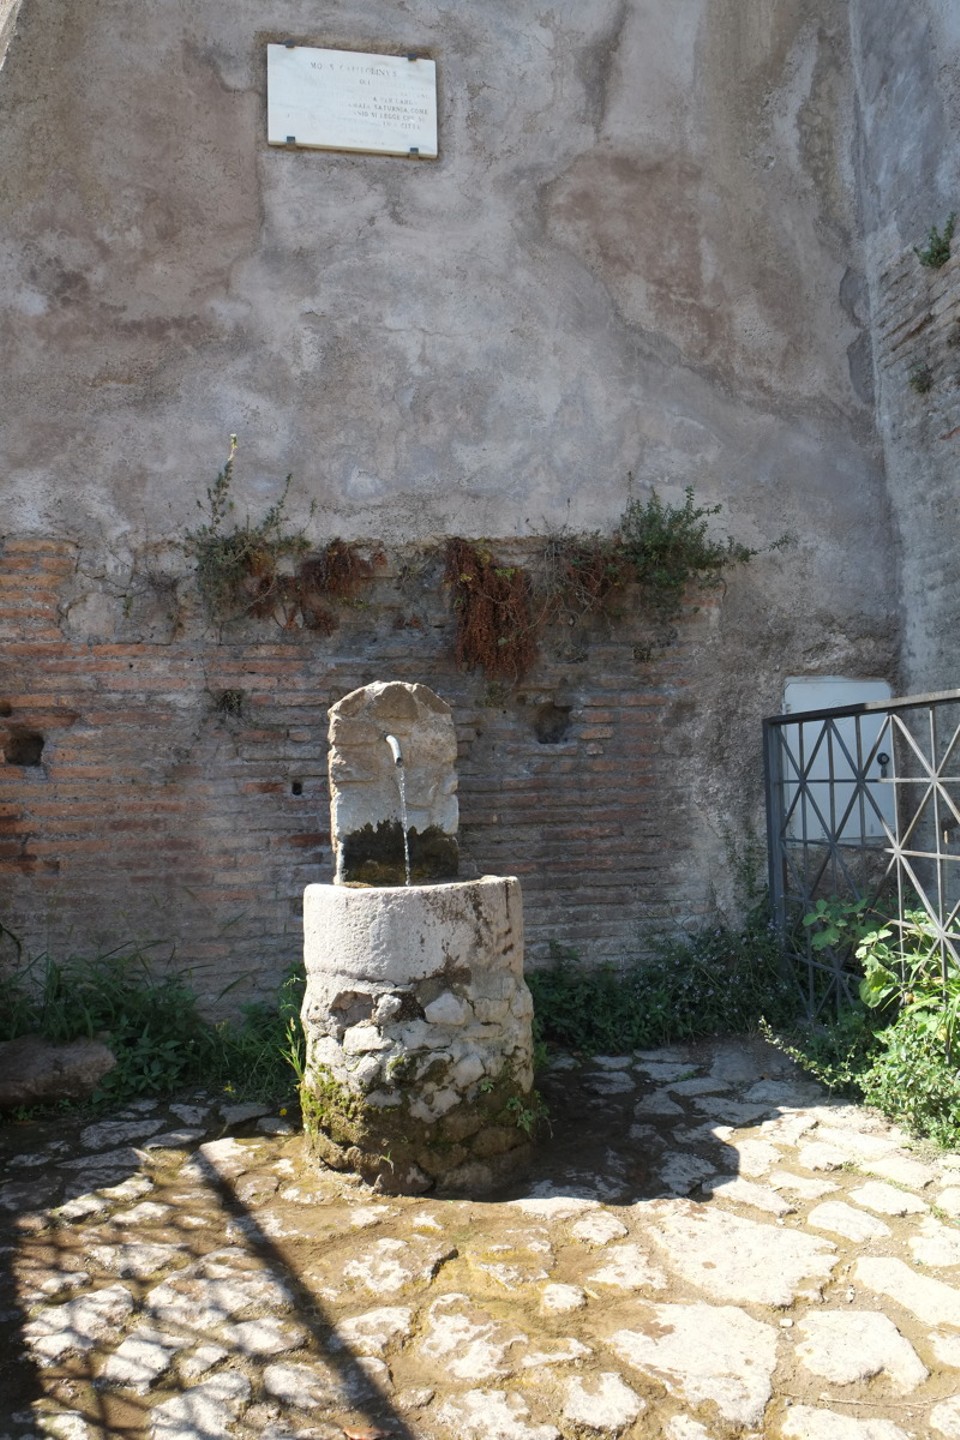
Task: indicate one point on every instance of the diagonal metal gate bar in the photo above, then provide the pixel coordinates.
(863, 803)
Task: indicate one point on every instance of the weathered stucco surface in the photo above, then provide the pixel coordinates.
(629, 257)
(637, 262)
(908, 79)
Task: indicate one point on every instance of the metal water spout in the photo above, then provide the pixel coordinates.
(397, 754)
(395, 750)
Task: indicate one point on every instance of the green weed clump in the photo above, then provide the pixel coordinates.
(720, 981)
(154, 1026)
(897, 1047)
(936, 252)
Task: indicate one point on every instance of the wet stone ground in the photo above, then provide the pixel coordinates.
(708, 1247)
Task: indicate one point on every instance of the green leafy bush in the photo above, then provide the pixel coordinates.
(719, 981)
(154, 1026)
(895, 1050)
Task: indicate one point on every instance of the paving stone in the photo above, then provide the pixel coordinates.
(390, 1265)
(935, 1244)
(466, 1341)
(786, 1093)
(803, 1422)
(123, 1158)
(130, 1189)
(612, 1062)
(560, 1299)
(732, 1112)
(755, 1157)
(608, 1082)
(276, 1125)
(601, 1402)
(364, 1216)
(932, 1301)
(855, 1144)
(554, 1206)
(81, 1207)
(788, 1129)
(734, 1259)
(680, 1174)
(191, 1114)
(706, 1353)
(598, 1228)
(901, 1170)
(663, 1070)
(684, 1427)
(698, 1085)
(206, 1412)
(840, 1219)
(490, 1415)
(202, 1359)
(137, 1260)
(658, 1103)
(746, 1192)
(948, 1201)
(373, 1331)
(945, 1418)
(225, 1158)
(665, 1055)
(148, 1212)
(78, 1324)
(67, 1425)
(174, 1139)
(818, 1156)
(627, 1267)
(264, 1336)
(141, 1359)
(559, 1352)
(306, 1387)
(242, 1111)
(887, 1199)
(202, 1304)
(946, 1348)
(800, 1185)
(114, 1132)
(846, 1346)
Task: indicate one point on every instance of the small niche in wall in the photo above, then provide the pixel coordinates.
(23, 747)
(551, 723)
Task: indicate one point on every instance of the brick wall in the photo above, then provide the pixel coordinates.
(180, 796)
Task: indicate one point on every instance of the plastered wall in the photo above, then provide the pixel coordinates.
(907, 66)
(636, 263)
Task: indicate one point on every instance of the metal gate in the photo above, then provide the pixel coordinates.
(863, 803)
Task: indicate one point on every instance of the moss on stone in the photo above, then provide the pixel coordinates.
(388, 1145)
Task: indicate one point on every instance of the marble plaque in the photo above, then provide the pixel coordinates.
(347, 100)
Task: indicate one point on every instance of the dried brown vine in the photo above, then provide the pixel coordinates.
(493, 605)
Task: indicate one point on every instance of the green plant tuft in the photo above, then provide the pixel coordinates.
(237, 567)
(936, 252)
(153, 1024)
(920, 378)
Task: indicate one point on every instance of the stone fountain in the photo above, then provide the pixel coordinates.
(417, 1017)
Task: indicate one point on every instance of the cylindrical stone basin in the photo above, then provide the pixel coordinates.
(418, 1024)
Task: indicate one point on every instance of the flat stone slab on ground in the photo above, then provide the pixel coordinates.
(705, 1352)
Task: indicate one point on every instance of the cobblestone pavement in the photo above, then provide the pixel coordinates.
(709, 1247)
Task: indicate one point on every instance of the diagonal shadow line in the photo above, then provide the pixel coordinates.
(378, 1408)
(365, 1398)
